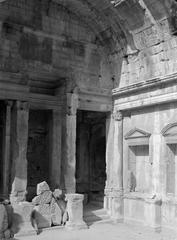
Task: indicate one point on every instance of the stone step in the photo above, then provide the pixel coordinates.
(92, 215)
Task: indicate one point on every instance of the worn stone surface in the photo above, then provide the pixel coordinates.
(44, 198)
(42, 187)
(75, 211)
(43, 215)
(56, 213)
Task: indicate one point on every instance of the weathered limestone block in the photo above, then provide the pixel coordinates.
(21, 223)
(56, 213)
(3, 221)
(153, 212)
(42, 187)
(43, 216)
(75, 211)
(43, 198)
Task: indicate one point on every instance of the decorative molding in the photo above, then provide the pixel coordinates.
(170, 133)
(137, 133)
(137, 137)
(143, 85)
(118, 116)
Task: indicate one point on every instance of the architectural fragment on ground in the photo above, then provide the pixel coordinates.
(49, 207)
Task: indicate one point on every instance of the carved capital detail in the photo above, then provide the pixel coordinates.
(19, 105)
(118, 116)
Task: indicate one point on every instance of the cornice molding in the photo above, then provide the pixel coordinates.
(148, 84)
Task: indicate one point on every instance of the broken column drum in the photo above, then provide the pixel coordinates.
(75, 211)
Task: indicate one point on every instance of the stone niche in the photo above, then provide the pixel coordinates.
(139, 204)
(139, 165)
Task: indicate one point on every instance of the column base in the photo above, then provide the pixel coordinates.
(76, 226)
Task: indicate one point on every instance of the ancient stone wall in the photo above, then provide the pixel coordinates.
(43, 40)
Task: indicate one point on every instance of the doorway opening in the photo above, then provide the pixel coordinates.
(38, 151)
(91, 155)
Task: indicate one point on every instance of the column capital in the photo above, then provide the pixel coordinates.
(72, 103)
(9, 103)
(118, 115)
(20, 105)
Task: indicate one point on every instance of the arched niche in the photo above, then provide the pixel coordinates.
(170, 133)
(139, 164)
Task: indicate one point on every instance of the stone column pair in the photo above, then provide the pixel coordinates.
(113, 201)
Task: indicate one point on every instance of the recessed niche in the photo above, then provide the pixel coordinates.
(139, 168)
(139, 165)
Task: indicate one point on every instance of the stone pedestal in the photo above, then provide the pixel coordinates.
(153, 213)
(20, 116)
(75, 211)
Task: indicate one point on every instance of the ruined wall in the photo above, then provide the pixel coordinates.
(151, 41)
(41, 40)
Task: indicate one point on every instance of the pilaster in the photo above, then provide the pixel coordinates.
(114, 158)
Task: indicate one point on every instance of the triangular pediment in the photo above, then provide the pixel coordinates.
(170, 130)
(137, 133)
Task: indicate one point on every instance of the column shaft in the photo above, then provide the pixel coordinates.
(19, 150)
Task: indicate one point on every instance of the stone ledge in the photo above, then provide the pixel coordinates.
(150, 83)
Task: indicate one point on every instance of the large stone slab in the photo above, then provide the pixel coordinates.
(21, 218)
(43, 198)
(42, 187)
(43, 216)
(56, 213)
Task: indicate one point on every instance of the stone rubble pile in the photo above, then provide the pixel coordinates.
(49, 208)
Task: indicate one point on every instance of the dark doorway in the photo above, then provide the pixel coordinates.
(90, 155)
(38, 149)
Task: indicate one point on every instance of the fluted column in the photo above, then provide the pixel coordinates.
(114, 159)
(20, 115)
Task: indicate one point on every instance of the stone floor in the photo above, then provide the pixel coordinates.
(104, 231)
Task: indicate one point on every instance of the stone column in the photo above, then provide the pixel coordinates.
(114, 191)
(55, 166)
(20, 115)
(70, 161)
(75, 211)
(7, 149)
